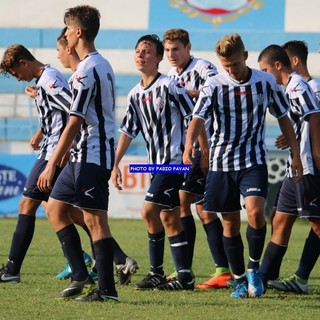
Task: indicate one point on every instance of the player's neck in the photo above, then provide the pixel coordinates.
(84, 48)
(147, 78)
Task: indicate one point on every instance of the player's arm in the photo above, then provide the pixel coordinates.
(123, 145)
(314, 122)
(203, 143)
(287, 130)
(36, 140)
(195, 127)
(63, 146)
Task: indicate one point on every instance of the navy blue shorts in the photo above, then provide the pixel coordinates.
(164, 190)
(84, 185)
(196, 180)
(31, 190)
(301, 198)
(223, 189)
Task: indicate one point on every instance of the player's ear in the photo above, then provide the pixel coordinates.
(245, 55)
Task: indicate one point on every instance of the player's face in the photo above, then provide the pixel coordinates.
(72, 34)
(235, 65)
(177, 54)
(21, 72)
(63, 55)
(146, 57)
(271, 68)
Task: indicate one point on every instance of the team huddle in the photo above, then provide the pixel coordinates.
(214, 122)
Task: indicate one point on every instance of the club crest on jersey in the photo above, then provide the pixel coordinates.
(79, 78)
(160, 103)
(260, 99)
(216, 11)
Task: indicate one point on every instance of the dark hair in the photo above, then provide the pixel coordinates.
(12, 57)
(275, 53)
(62, 38)
(85, 17)
(153, 38)
(297, 48)
(177, 34)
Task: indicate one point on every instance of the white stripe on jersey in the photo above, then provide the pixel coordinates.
(93, 88)
(238, 111)
(158, 111)
(193, 77)
(302, 103)
(315, 86)
(53, 102)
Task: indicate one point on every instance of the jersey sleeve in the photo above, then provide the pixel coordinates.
(130, 123)
(279, 104)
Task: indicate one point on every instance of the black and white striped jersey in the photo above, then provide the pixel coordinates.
(302, 104)
(193, 77)
(93, 89)
(315, 86)
(53, 103)
(158, 111)
(239, 111)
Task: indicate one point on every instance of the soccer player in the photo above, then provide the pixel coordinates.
(157, 106)
(125, 266)
(295, 199)
(84, 180)
(52, 100)
(237, 99)
(192, 72)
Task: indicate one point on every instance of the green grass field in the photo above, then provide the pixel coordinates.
(33, 298)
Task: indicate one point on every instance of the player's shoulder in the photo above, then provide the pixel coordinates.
(204, 64)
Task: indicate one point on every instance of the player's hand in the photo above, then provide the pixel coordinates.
(31, 91)
(36, 140)
(44, 183)
(188, 155)
(297, 168)
(281, 142)
(116, 178)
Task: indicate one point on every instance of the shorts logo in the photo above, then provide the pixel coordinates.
(167, 192)
(86, 192)
(253, 190)
(149, 194)
(313, 202)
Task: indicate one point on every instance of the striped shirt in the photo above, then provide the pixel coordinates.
(239, 111)
(93, 89)
(53, 102)
(303, 103)
(193, 77)
(158, 111)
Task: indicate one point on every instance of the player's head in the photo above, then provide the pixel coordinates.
(16, 62)
(177, 47)
(296, 49)
(275, 60)
(81, 21)
(148, 52)
(232, 55)
(63, 50)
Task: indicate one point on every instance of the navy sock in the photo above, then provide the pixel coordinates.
(104, 265)
(179, 252)
(255, 238)
(86, 229)
(309, 256)
(234, 251)
(214, 231)
(71, 246)
(20, 243)
(189, 228)
(271, 262)
(156, 251)
(119, 257)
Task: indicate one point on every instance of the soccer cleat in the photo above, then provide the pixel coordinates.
(176, 285)
(93, 274)
(66, 273)
(255, 284)
(98, 295)
(231, 284)
(219, 280)
(151, 281)
(174, 276)
(5, 276)
(77, 288)
(125, 271)
(292, 284)
(240, 291)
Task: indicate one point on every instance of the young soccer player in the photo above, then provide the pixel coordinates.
(192, 72)
(157, 107)
(237, 99)
(300, 199)
(52, 100)
(84, 180)
(125, 266)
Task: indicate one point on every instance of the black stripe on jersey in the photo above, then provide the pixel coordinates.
(60, 102)
(83, 98)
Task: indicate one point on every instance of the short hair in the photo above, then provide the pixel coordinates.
(12, 56)
(228, 45)
(153, 38)
(62, 38)
(177, 34)
(274, 53)
(297, 48)
(85, 17)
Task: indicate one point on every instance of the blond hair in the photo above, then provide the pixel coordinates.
(229, 45)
